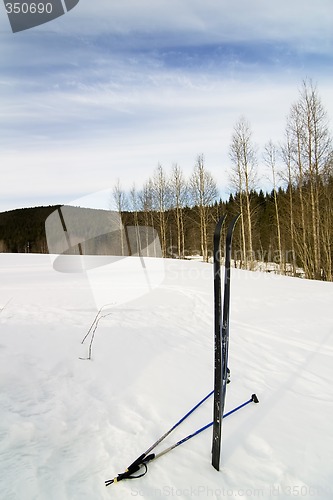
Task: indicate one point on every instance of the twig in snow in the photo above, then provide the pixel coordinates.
(92, 330)
(3, 307)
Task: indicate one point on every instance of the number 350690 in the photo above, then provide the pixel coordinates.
(28, 8)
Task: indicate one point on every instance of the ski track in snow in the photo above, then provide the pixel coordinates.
(66, 424)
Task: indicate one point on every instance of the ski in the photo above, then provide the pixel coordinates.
(217, 325)
(140, 464)
(221, 334)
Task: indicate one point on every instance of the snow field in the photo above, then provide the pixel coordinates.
(67, 424)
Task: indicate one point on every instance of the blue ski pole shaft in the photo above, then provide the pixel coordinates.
(253, 399)
(145, 457)
(141, 458)
(178, 423)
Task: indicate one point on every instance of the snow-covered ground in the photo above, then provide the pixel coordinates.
(67, 424)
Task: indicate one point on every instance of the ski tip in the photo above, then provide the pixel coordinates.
(216, 464)
(254, 398)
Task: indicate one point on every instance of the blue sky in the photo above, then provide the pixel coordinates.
(111, 89)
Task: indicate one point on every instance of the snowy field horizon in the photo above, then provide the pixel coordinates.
(67, 424)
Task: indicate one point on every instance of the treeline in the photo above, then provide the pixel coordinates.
(290, 227)
(185, 234)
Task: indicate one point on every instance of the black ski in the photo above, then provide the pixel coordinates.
(217, 331)
(221, 334)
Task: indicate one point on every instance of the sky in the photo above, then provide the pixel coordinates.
(113, 89)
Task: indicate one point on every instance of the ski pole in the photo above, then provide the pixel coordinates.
(145, 457)
(135, 466)
(253, 399)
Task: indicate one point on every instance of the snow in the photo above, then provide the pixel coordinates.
(67, 424)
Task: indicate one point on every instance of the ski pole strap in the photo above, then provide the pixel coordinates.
(132, 469)
(128, 475)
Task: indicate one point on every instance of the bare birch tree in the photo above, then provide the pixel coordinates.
(161, 193)
(134, 207)
(148, 207)
(243, 178)
(287, 158)
(270, 158)
(179, 191)
(204, 193)
(119, 197)
(311, 147)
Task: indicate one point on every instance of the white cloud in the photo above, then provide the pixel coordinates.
(111, 89)
(184, 124)
(173, 22)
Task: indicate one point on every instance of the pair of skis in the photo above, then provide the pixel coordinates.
(221, 332)
(221, 337)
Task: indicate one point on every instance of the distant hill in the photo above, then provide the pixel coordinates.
(23, 230)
